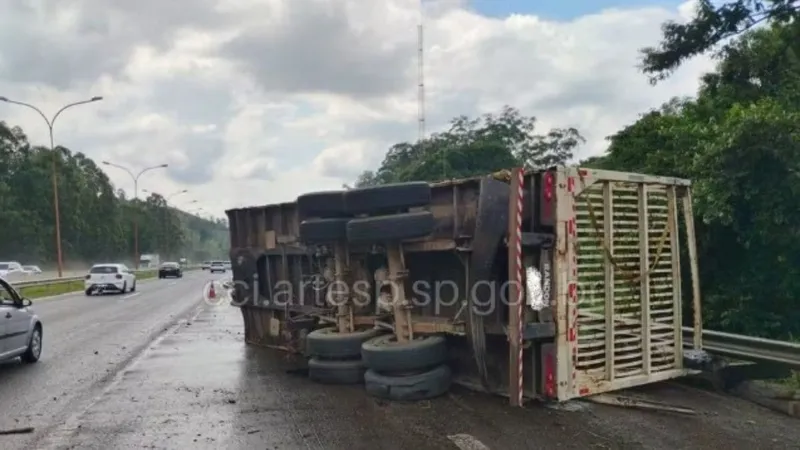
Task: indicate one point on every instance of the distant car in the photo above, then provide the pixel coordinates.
(10, 268)
(104, 278)
(170, 269)
(217, 266)
(32, 270)
(206, 265)
(21, 329)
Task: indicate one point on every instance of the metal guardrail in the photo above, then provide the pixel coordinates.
(29, 283)
(747, 348)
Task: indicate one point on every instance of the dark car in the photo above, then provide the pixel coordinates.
(170, 269)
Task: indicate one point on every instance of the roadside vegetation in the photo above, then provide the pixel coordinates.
(738, 139)
(96, 221)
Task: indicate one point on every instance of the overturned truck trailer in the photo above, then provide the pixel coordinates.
(550, 284)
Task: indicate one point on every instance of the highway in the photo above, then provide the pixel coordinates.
(160, 368)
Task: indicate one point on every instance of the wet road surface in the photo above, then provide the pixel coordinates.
(87, 340)
(196, 385)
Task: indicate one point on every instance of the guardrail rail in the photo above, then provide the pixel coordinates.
(29, 283)
(748, 348)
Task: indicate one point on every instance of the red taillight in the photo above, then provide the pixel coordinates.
(118, 276)
(549, 376)
(549, 182)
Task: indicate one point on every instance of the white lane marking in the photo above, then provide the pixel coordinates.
(130, 296)
(467, 442)
(172, 283)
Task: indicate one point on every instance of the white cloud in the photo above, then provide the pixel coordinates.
(257, 101)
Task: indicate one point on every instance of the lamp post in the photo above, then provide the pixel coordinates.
(50, 122)
(135, 179)
(168, 197)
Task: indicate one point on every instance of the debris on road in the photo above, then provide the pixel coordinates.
(628, 402)
(26, 430)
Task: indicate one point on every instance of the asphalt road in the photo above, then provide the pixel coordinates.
(87, 341)
(162, 369)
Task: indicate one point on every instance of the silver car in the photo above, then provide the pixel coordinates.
(20, 327)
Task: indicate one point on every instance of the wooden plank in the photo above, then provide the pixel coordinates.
(675, 252)
(608, 237)
(693, 264)
(644, 277)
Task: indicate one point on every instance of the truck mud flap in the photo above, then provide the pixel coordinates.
(491, 223)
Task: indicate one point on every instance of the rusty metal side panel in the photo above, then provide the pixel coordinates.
(454, 208)
(264, 250)
(250, 227)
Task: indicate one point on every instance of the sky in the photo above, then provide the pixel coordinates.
(560, 10)
(253, 102)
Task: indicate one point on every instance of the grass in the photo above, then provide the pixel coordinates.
(51, 289)
(793, 381)
(46, 290)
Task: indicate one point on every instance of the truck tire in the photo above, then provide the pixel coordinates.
(389, 197)
(336, 371)
(397, 227)
(384, 354)
(420, 386)
(323, 230)
(324, 204)
(328, 343)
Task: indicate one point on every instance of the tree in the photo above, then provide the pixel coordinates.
(96, 219)
(739, 141)
(711, 26)
(472, 147)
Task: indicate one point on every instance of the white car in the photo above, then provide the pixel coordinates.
(20, 329)
(32, 270)
(104, 278)
(216, 266)
(10, 268)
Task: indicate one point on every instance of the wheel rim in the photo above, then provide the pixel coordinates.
(36, 343)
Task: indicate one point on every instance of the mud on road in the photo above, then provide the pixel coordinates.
(199, 386)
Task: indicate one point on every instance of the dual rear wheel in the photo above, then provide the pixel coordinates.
(390, 370)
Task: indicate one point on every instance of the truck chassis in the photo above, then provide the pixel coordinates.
(551, 284)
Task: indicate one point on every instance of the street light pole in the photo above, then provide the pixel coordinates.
(50, 122)
(135, 179)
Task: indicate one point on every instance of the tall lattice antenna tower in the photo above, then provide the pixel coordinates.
(421, 74)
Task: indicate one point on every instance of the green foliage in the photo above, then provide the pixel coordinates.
(739, 141)
(472, 147)
(712, 24)
(96, 222)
